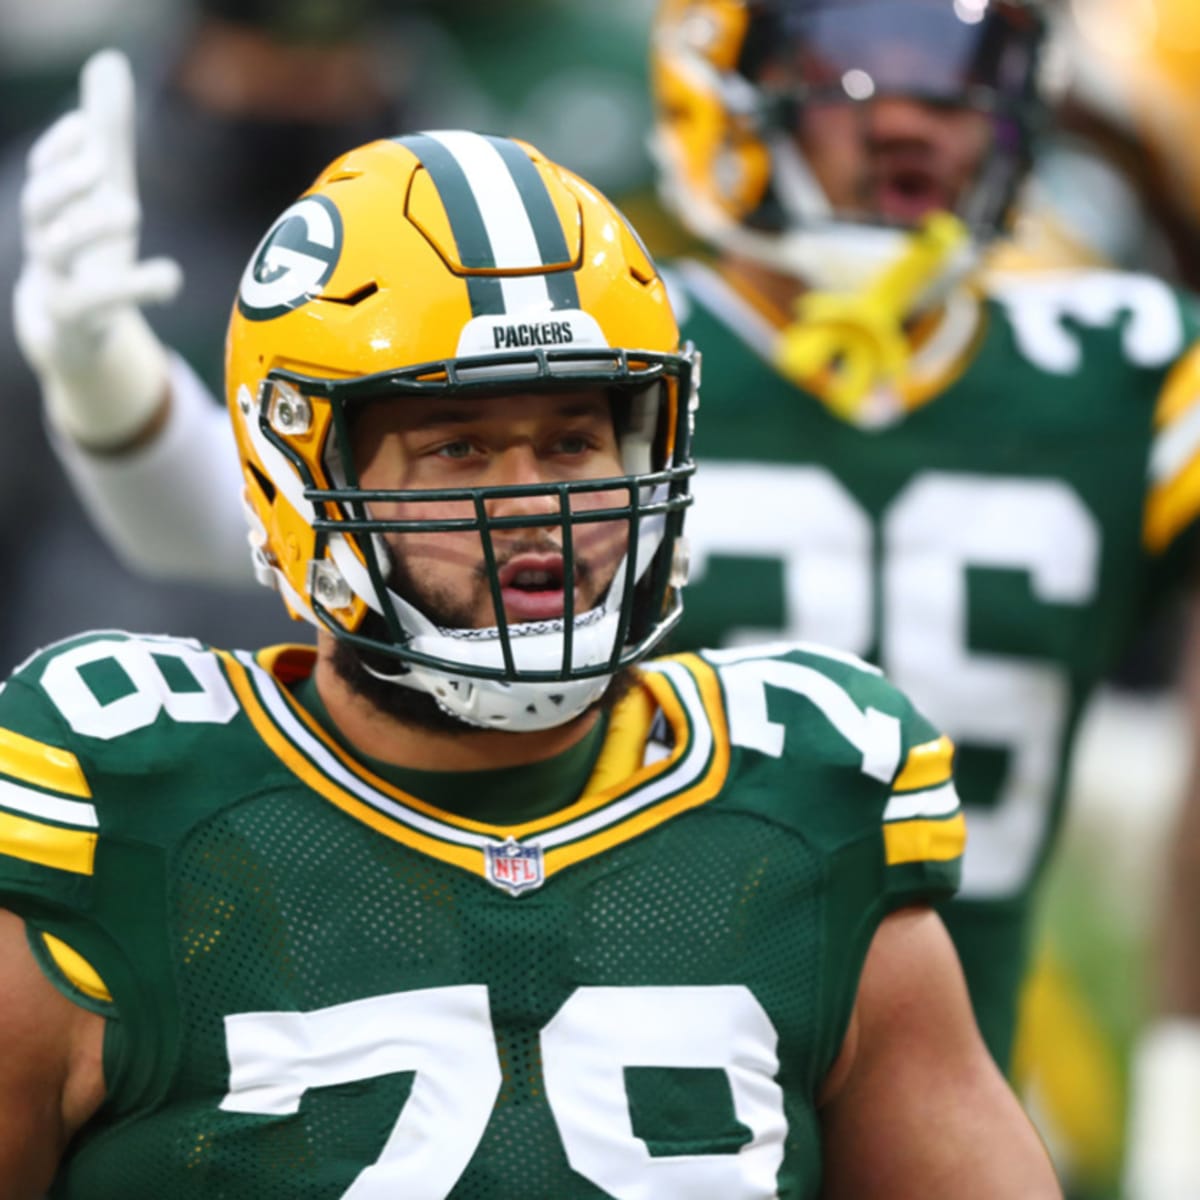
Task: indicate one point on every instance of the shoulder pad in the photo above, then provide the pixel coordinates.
(91, 717)
(862, 763)
(108, 684)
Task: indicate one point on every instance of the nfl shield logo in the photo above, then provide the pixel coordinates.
(514, 867)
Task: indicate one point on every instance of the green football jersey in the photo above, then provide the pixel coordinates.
(993, 545)
(320, 986)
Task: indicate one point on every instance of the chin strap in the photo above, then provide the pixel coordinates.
(842, 346)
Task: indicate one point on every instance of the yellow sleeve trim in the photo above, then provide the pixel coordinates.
(48, 845)
(41, 765)
(1180, 391)
(925, 840)
(927, 765)
(1171, 507)
(76, 968)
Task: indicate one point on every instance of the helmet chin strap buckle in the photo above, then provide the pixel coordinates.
(843, 346)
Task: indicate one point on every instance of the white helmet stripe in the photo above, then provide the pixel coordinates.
(506, 219)
(509, 229)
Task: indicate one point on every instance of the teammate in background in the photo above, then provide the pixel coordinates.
(1013, 490)
(989, 516)
(1133, 104)
(1013, 496)
(644, 938)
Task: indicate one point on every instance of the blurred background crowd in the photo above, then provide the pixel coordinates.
(241, 103)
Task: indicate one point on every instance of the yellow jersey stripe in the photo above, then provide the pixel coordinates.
(927, 765)
(1171, 507)
(942, 348)
(1174, 467)
(624, 750)
(700, 792)
(48, 845)
(1180, 391)
(925, 840)
(1175, 446)
(76, 968)
(41, 765)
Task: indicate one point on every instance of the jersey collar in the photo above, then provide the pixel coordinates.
(638, 781)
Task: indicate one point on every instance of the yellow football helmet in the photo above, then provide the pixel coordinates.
(1134, 70)
(735, 81)
(457, 264)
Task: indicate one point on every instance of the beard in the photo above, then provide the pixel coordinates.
(360, 668)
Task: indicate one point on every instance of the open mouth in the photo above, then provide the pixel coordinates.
(531, 586)
(907, 192)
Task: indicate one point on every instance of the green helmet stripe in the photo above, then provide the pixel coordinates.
(466, 221)
(547, 227)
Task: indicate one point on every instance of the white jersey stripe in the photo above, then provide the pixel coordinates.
(509, 229)
(689, 768)
(938, 802)
(330, 766)
(1175, 446)
(16, 798)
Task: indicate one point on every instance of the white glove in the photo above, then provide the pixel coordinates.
(76, 303)
(1163, 1138)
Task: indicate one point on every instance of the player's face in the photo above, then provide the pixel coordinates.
(894, 157)
(523, 439)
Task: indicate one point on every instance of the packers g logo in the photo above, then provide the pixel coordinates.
(293, 260)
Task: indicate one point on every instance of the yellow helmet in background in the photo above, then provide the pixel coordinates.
(734, 80)
(456, 264)
(1137, 63)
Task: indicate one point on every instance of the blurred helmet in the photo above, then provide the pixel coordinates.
(736, 80)
(457, 265)
(1134, 70)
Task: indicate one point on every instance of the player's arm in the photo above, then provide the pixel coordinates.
(915, 1108)
(149, 451)
(51, 1078)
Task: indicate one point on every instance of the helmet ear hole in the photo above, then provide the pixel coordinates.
(264, 484)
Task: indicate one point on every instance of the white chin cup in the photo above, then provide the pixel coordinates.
(535, 645)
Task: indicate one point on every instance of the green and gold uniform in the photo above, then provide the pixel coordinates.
(992, 538)
(321, 985)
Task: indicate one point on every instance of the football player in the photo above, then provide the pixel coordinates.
(473, 898)
(980, 485)
(979, 488)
